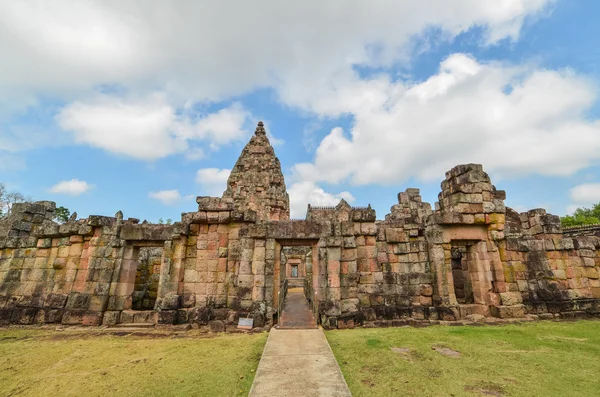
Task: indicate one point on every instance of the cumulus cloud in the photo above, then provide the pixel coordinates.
(585, 194)
(148, 128)
(169, 197)
(514, 120)
(74, 187)
(213, 181)
(141, 45)
(304, 193)
(141, 48)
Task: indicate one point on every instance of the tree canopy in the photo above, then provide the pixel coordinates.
(61, 214)
(582, 216)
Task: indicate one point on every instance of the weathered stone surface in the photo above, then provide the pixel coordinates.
(256, 181)
(216, 326)
(146, 232)
(170, 302)
(470, 257)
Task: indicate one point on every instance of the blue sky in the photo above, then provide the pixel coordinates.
(142, 106)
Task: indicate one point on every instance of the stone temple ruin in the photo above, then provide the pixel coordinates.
(469, 257)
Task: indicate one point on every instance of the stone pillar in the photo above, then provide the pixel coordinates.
(277, 276)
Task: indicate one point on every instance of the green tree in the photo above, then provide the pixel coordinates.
(61, 215)
(582, 216)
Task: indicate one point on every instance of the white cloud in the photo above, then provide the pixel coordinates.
(274, 140)
(213, 181)
(221, 127)
(587, 193)
(148, 128)
(464, 113)
(167, 197)
(304, 193)
(74, 187)
(202, 51)
(199, 52)
(195, 153)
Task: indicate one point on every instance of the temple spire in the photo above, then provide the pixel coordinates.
(256, 182)
(260, 129)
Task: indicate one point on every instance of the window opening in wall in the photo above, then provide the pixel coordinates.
(295, 271)
(146, 278)
(460, 275)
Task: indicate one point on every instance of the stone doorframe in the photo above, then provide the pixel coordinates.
(277, 271)
(484, 265)
(125, 283)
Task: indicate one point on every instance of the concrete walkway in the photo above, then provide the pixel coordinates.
(298, 362)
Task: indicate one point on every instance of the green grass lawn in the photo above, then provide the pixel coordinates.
(534, 359)
(36, 362)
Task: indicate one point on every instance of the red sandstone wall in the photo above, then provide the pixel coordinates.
(219, 263)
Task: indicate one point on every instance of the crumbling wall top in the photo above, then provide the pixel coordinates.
(410, 208)
(341, 212)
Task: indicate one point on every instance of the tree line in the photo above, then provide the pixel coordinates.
(582, 216)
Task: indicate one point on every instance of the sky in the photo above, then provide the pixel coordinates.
(143, 105)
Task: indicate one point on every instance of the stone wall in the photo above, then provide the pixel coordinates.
(469, 258)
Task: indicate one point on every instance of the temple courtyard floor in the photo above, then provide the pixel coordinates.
(530, 359)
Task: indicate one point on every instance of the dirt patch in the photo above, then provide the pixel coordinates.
(368, 382)
(487, 389)
(71, 335)
(563, 339)
(407, 353)
(14, 338)
(60, 335)
(446, 351)
(434, 373)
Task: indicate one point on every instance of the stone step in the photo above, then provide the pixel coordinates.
(295, 282)
(468, 309)
(134, 325)
(138, 317)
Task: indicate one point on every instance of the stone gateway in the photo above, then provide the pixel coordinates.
(469, 256)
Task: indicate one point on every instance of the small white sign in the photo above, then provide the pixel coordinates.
(245, 323)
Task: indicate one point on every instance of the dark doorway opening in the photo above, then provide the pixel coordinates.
(296, 274)
(463, 289)
(146, 278)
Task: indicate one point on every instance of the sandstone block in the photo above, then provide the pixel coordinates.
(511, 298)
(216, 326)
(169, 302)
(167, 316)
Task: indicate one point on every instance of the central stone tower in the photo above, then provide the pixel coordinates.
(256, 181)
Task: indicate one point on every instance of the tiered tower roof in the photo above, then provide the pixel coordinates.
(256, 181)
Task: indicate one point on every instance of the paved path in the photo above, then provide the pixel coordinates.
(298, 362)
(296, 313)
